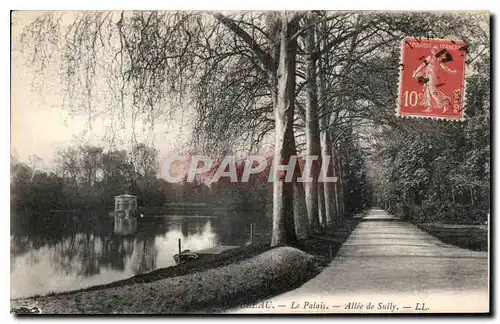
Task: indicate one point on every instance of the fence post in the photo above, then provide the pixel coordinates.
(180, 260)
(251, 233)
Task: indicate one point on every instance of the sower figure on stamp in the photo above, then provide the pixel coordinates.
(426, 74)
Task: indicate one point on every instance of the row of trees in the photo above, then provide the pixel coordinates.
(308, 82)
(88, 178)
(85, 177)
(327, 75)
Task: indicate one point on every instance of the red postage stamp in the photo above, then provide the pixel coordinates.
(432, 79)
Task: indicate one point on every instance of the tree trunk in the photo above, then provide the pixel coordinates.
(323, 221)
(283, 219)
(341, 188)
(327, 188)
(299, 209)
(312, 129)
(337, 186)
(299, 204)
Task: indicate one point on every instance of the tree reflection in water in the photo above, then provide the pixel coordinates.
(60, 254)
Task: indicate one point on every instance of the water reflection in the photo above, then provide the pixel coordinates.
(98, 250)
(125, 225)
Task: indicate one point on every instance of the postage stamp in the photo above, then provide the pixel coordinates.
(432, 78)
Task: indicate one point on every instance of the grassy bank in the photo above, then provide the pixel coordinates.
(472, 237)
(271, 272)
(240, 276)
(201, 264)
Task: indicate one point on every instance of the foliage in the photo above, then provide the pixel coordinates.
(440, 171)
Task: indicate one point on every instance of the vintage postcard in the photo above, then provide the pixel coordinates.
(250, 162)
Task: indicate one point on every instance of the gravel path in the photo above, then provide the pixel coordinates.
(388, 261)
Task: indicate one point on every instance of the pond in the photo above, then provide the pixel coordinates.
(54, 252)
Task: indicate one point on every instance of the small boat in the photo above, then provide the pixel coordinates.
(186, 256)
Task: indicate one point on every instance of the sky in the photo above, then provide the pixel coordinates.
(40, 125)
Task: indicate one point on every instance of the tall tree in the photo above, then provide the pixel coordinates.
(312, 127)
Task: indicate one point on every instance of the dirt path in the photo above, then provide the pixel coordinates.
(396, 267)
